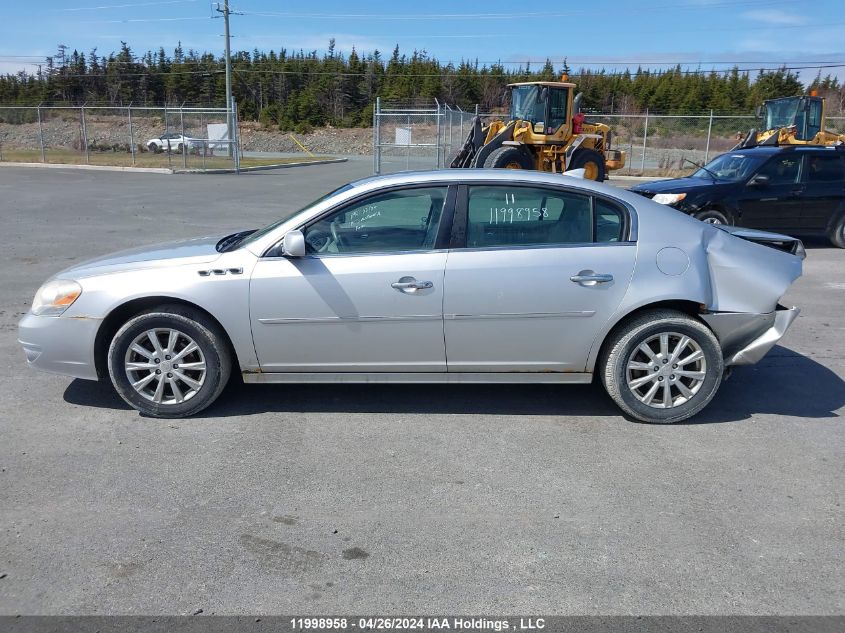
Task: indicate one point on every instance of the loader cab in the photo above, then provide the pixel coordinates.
(545, 105)
(803, 113)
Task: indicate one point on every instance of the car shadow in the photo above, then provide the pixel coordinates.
(784, 383)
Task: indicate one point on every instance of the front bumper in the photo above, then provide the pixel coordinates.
(746, 338)
(61, 345)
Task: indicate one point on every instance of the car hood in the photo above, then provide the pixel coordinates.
(177, 253)
(682, 185)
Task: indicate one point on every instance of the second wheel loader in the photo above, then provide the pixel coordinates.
(792, 121)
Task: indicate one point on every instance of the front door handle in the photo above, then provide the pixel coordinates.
(411, 285)
(591, 278)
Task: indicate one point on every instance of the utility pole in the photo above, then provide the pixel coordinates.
(229, 125)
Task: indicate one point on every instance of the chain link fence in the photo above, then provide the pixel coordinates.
(411, 138)
(179, 138)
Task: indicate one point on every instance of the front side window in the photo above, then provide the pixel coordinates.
(814, 120)
(782, 170)
(526, 216)
(558, 105)
(405, 220)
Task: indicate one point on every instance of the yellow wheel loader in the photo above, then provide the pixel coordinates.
(792, 121)
(546, 131)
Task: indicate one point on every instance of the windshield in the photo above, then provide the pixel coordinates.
(781, 113)
(526, 104)
(730, 167)
(270, 227)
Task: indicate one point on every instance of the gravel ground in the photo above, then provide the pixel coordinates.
(461, 499)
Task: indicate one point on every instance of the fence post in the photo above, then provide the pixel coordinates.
(709, 132)
(182, 132)
(84, 135)
(438, 133)
(167, 131)
(131, 133)
(41, 135)
(236, 132)
(461, 119)
(376, 139)
(645, 138)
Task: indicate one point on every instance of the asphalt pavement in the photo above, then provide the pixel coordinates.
(392, 499)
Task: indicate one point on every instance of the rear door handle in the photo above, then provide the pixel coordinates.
(411, 285)
(591, 278)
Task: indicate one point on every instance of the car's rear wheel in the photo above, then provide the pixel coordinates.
(169, 362)
(837, 233)
(662, 366)
(712, 216)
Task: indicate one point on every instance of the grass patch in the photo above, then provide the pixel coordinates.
(144, 159)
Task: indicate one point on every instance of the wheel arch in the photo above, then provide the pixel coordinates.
(123, 312)
(687, 306)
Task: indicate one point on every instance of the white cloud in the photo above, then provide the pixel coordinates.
(775, 16)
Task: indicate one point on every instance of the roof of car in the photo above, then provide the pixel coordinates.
(774, 149)
(477, 175)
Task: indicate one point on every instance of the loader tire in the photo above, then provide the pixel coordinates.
(509, 157)
(591, 162)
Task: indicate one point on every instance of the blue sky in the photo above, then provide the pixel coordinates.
(609, 33)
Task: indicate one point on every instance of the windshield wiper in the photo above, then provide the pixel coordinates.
(692, 162)
(230, 242)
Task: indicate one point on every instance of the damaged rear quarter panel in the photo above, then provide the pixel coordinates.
(745, 276)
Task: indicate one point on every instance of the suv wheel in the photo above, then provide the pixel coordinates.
(712, 216)
(837, 233)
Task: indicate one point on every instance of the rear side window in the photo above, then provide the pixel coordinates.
(824, 168)
(528, 216)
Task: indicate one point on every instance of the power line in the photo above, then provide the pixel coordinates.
(506, 16)
(124, 6)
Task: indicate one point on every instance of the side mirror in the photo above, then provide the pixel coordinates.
(759, 180)
(758, 112)
(293, 244)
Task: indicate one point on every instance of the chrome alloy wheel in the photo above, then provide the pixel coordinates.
(712, 221)
(666, 370)
(165, 366)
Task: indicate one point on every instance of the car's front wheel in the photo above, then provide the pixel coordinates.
(662, 366)
(169, 362)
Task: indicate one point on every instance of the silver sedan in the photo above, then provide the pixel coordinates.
(485, 277)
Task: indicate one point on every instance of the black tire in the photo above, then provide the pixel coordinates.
(712, 216)
(213, 346)
(154, 148)
(179, 148)
(837, 232)
(591, 162)
(509, 157)
(624, 346)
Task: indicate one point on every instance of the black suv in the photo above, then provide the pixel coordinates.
(788, 189)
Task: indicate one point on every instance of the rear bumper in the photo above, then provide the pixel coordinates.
(61, 345)
(746, 338)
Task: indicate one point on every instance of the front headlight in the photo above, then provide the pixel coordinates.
(669, 198)
(54, 297)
